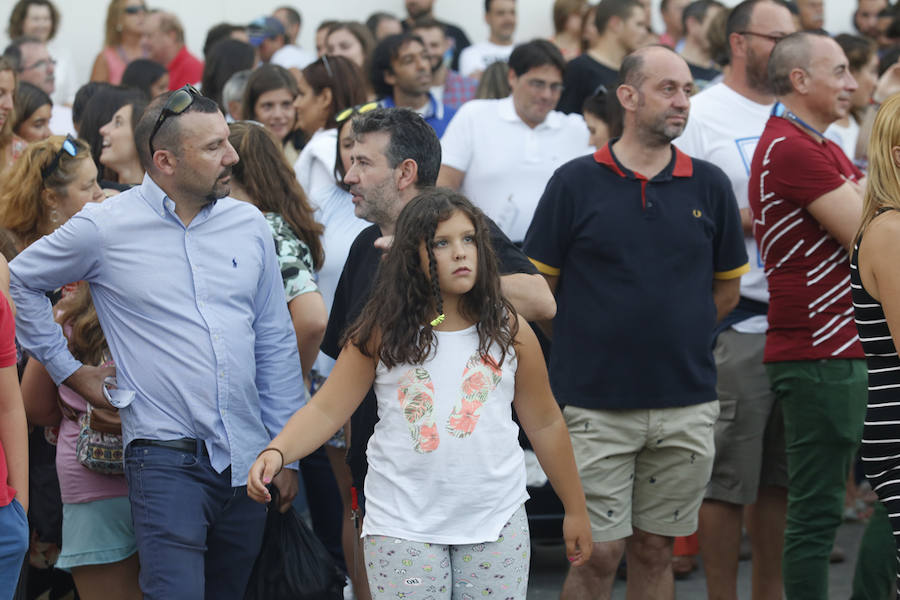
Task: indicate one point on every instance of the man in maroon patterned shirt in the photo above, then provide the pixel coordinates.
(806, 199)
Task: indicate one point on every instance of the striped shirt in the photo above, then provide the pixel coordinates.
(880, 448)
(810, 313)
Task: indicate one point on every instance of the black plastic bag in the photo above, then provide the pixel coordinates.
(292, 564)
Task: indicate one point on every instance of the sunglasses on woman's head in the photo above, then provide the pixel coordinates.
(360, 109)
(68, 147)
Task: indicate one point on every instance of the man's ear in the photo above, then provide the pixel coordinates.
(628, 96)
(799, 80)
(409, 174)
(165, 161)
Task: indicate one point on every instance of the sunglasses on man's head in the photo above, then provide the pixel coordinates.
(68, 147)
(177, 103)
(360, 109)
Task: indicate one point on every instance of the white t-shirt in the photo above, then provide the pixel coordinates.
(723, 128)
(455, 474)
(292, 56)
(61, 120)
(507, 163)
(333, 209)
(480, 56)
(845, 137)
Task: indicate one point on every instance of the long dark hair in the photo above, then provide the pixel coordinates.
(269, 180)
(404, 299)
(99, 111)
(343, 77)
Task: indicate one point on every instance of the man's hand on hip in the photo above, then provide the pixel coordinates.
(87, 381)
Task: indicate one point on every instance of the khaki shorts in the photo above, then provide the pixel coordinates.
(750, 432)
(643, 468)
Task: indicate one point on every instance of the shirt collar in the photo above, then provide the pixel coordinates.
(160, 203)
(433, 110)
(681, 164)
(155, 196)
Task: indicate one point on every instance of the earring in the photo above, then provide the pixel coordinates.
(119, 27)
(54, 216)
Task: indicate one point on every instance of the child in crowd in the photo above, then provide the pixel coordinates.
(448, 356)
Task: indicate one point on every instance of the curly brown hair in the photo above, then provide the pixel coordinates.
(395, 324)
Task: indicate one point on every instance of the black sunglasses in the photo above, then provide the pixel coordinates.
(177, 103)
(68, 147)
(134, 10)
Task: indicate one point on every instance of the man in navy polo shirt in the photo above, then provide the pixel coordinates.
(644, 249)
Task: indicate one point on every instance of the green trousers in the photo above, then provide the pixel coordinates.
(824, 405)
(876, 563)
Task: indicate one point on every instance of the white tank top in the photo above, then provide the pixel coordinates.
(445, 465)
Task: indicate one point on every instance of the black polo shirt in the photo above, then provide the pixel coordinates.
(350, 298)
(636, 261)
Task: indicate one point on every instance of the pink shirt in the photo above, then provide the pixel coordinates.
(77, 483)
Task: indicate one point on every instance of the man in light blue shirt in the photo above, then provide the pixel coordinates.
(189, 294)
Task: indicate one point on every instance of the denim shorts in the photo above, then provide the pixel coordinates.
(96, 533)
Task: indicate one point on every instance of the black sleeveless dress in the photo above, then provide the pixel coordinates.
(880, 449)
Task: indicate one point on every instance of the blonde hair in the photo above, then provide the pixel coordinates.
(883, 187)
(86, 340)
(6, 132)
(22, 207)
(114, 12)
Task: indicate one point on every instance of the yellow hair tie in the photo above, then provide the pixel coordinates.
(438, 320)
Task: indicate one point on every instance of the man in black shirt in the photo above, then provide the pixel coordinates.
(622, 28)
(396, 154)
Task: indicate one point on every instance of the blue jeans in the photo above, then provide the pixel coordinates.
(13, 545)
(197, 536)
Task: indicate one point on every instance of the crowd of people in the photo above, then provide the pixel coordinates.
(372, 263)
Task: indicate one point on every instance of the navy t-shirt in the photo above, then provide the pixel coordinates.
(636, 261)
(350, 298)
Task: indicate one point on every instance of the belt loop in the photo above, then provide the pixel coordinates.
(198, 452)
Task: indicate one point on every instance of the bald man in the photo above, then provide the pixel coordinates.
(641, 415)
(806, 200)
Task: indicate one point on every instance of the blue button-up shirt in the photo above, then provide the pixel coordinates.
(194, 316)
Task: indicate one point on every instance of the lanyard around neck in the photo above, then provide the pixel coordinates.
(780, 110)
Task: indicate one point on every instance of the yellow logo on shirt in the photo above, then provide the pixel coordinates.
(697, 213)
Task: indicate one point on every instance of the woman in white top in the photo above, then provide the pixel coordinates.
(449, 357)
(326, 88)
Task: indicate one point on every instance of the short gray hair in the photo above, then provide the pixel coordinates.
(233, 90)
(791, 52)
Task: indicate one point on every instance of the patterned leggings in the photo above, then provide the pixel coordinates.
(399, 568)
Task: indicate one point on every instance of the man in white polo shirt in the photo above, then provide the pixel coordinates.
(501, 153)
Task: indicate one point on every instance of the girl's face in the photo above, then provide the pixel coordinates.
(311, 108)
(79, 191)
(38, 22)
(160, 86)
(7, 89)
(36, 127)
(343, 43)
(118, 140)
(455, 254)
(345, 141)
(275, 110)
(866, 79)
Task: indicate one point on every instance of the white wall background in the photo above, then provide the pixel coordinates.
(81, 30)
